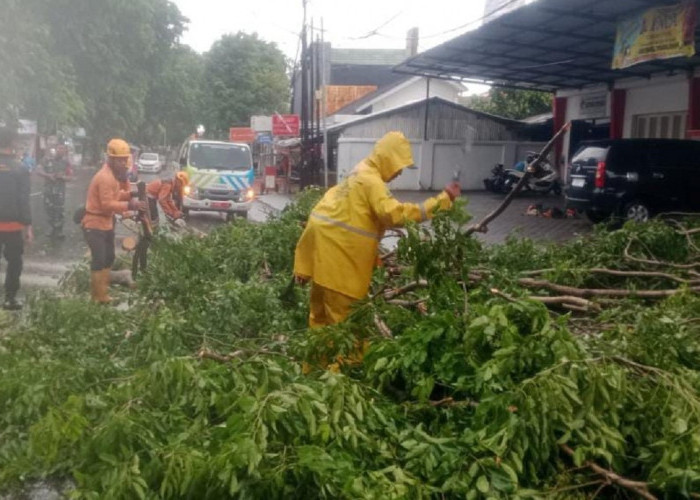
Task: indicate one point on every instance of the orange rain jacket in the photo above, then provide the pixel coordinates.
(104, 199)
(163, 192)
(338, 248)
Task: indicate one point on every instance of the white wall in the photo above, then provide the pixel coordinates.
(353, 151)
(474, 163)
(658, 97)
(660, 94)
(416, 91)
(438, 160)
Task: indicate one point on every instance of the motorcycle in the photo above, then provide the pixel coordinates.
(544, 180)
(496, 183)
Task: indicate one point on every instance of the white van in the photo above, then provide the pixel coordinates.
(221, 177)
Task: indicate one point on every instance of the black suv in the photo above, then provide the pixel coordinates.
(634, 178)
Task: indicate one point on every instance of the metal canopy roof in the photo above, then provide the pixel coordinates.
(547, 45)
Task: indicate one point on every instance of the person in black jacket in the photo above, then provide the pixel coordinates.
(15, 215)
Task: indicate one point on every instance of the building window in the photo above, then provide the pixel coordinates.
(659, 126)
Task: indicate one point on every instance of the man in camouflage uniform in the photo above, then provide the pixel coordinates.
(55, 170)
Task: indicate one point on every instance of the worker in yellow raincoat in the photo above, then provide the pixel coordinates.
(338, 249)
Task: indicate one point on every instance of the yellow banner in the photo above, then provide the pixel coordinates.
(657, 33)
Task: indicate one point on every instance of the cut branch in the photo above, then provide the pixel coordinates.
(601, 292)
(392, 294)
(620, 273)
(205, 353)
(639, 487)
(653, 262)
(482, 225)
(566, 301)
(642, 274)
(383, 327)
(450, 402)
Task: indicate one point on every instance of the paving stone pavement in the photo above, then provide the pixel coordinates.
(512, 222)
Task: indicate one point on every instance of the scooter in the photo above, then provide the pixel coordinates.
(544, 180)
(496, 183)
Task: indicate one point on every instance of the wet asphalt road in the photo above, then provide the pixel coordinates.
(73, 247)
(46, 260)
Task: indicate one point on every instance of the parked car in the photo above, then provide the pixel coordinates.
(149, 162)
(634, 179)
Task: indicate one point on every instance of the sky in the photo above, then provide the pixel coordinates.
(347, 24)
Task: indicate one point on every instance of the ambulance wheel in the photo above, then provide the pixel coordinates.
(242, 214)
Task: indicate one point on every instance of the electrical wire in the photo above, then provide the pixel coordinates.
(375, 31)
(471, 23)
(452, 30)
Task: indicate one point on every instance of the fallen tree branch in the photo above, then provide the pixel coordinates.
(639, 487)
(205, 353)
(406, 303)
(600, 292)
(388, 255)
(450, 402)
(567, 301)
(687, 233)
(620, 273)
(392, 294)
(653, 262)
(642, 274)
(482, 225)
(383, 327)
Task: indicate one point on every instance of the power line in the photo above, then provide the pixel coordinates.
(375, 31)
(471, 23)
(446, 32)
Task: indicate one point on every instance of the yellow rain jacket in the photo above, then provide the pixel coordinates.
(338, 248)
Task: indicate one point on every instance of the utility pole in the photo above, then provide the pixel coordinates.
(304, 167)
(323, 108)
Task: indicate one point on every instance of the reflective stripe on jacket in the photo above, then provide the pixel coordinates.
(338, 248)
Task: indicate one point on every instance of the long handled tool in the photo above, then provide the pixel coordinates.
(140, 260)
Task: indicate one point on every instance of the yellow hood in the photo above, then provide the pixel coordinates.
(391, 154)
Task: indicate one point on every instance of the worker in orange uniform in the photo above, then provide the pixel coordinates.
(105, 198)
(160, 192)
(338, 249)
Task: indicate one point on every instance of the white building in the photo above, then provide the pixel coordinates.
(405, 91)
(445, 137)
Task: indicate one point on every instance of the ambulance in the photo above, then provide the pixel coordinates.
(221, 177)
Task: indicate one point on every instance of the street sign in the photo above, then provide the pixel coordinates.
(261, 123)
(264, 138)
(241, 134)
(285, 125)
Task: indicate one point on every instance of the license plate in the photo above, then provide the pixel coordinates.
(578, 183)
(219, 204)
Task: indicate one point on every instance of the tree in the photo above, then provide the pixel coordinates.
(174, 105)
(244, 76)
(35, 81)
(116, 47)
(511, 103)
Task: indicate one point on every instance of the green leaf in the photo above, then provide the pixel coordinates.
(482, 484)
